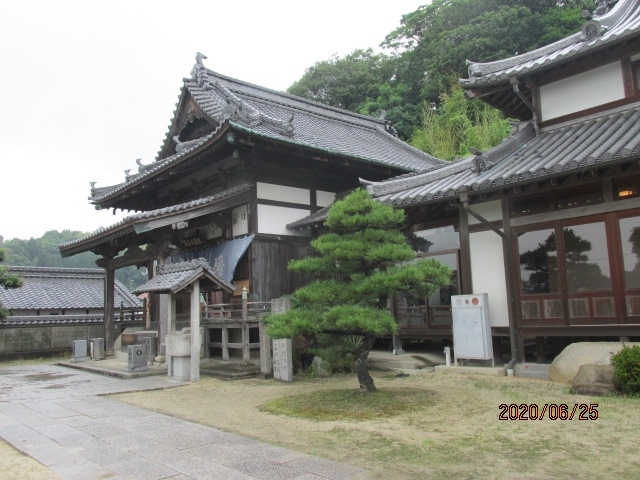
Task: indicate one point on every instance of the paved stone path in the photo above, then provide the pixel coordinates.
(56, 416)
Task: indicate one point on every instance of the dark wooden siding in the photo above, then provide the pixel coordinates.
(269, 259)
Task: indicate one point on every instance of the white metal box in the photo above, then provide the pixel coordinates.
(471, 327)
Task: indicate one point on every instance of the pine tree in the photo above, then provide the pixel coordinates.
(361, 262)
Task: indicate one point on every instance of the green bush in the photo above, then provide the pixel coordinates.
(627, 365)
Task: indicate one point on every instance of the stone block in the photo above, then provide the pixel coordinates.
(539, 371)
(96, 347)
(488, 371)
(178, 344)
(150, 344)
(319, 368)
(181, 368)
(282, 361)
(266, 360)
(79, 351)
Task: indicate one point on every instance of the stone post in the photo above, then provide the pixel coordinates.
(195, 331)
(109, 299)
(266, 361)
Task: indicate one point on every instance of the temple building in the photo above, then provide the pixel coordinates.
(547, 223)
(239, 163)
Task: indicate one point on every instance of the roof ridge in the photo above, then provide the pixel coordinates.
(26, 270)
(293, 97)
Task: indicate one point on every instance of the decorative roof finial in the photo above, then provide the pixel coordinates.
(199, 72)
(592, 27)
(199, 58)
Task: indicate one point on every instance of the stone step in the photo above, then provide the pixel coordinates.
(539, 371)
(402, 362)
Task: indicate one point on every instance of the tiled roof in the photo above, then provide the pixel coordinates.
(604, 30)
(609, 137)
(278, 116)
(146, 171)
(314, 219)
(303, 122)
(128, 224)
(62, 288)
(176, 276)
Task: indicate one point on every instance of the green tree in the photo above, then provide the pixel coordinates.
(345, 82)
(433, 43)
(43, 252)
(361, 262)
(7, 281)
(457, 124)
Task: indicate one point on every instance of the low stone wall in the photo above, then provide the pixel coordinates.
(22, 337)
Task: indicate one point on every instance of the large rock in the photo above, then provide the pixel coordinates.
(319, 367)
(565, 366)
(594, 380)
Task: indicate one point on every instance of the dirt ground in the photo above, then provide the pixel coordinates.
(456, 433)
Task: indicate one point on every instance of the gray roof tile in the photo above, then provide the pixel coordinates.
(62, 288)
(299, 121)
(614, 26)
(176, 276)
(279, 116)
(608, 137)
(128, 224)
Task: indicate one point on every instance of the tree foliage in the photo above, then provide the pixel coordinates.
(450, 130)
(44, 252)
(436, 40)
(7, 281)
(431, 46)
(346, 82)
(361, 262)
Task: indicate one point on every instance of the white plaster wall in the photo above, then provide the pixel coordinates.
(240, 220)
(487, 274)
(492, 211)
(280, 193)
(324, 199)
(589, 89)
(274, 220)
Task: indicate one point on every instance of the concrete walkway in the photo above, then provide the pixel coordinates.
(56, 416)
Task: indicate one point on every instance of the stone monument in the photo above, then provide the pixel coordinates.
(137, 358)
(282, 362)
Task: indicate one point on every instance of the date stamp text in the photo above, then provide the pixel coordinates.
(553, 411)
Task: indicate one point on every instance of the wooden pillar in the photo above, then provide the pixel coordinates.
(109, 311)
(195, 331)
(465, 254)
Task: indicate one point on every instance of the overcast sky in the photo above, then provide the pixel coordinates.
(87, 87)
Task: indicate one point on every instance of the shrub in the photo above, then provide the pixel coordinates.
(337, 352)
(627, 365)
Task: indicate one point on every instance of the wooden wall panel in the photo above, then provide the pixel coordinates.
(269, 259)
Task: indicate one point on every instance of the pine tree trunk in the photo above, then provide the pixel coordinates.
(362, 371)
